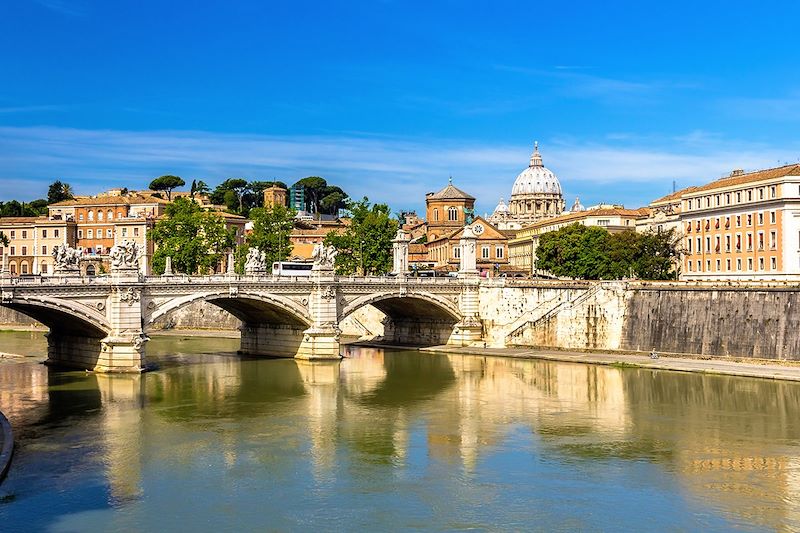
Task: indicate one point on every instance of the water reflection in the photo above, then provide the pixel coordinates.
(450, 441)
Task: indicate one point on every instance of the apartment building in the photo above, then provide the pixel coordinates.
(31, 243)
(614, 218)
(743, 226)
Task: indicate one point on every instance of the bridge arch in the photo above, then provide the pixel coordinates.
(410, 318)
(249, 307)
(63, 316)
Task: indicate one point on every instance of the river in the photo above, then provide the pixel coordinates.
(392, 440)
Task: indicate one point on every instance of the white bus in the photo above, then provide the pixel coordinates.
(291, 268)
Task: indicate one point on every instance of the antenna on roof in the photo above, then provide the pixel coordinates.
(673, 185)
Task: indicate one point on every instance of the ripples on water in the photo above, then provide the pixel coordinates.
(389, 440)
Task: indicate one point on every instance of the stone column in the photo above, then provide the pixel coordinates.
(400, 253)
(470, 329)
(321, 340)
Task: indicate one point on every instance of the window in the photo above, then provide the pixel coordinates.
(750, 195)
(773, 239)
(89, 234)
(435, 214)
(484, 252)
(728, 199)
(13, 234)
(708, 244)
(699, 246)
(689, 245)
(761, 197)
(727, 243)
(24, 234)
(719, 265)
(44, 250)
(760, 240)
(110, 215)
(44, 234)
(773, 192)
(773, 263)
(80, 217)
(708, 201)
(749, 263)
(457, 252)
(13, 251)
(708, 265)
(452, 213)
(761, 218)
(55, 233)
(727, 222)
(738, 197)
(690, 206)
(761, 263)
(772, 217)
(499, 252)
(699, 265)
(44, 268)
(99, 215)
(80, 234)
(728, 265)
(13, 268)
(749, 242)
(689, 265)
(24, 268)
(124, 232)
(91, 216)
(24, 250)
(716, 199)
(749, 220)
(716, 244)
(738, 242)
(738, 221)
(136, 232)
(603, 222)
(739, 265)
(109, 233)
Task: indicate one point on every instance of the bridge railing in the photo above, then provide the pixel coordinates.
(55, 280)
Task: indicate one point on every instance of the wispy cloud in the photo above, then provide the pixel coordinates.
(65, 7)
(31, 108)
(394, 170)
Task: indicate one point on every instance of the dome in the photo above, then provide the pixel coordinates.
(536, 179)
(501, 209)
(577, 206)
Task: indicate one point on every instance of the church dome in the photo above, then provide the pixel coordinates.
(536, 179)
(501, 209)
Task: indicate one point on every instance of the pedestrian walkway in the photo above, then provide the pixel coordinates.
(789, 370)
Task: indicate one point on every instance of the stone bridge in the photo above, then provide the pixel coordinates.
(102, 323)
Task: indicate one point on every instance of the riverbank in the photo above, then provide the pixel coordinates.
(6, 446)
(752, 368)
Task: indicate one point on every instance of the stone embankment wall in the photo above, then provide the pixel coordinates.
(738, 321)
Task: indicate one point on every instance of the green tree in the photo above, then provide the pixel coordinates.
(166, 183)
(272, 228)
(333, 199)
(58, 192)
(202, 188)
(583, 252)
(223, 192)
(195, 239)
(366, 245)
(314, 188)
(3, 239)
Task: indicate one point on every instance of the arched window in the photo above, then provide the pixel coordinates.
(110, 215)
(99, 215)
(91, 215)
(452, 213)
(24, 268)
(44, 268)
(90, 270)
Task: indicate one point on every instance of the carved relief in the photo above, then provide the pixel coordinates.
(129, 295)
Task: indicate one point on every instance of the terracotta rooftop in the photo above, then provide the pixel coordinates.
(750, 177)
(451, 192)
(674, 195)
(130, 199)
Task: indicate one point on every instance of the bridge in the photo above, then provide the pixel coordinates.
(102, 323)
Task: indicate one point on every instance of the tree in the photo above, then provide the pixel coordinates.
(58, 192)
(195, 239)
(272, 228)
(166, 183)
(3, 239)
(14, 208)
(333, 199)
(366, 244)
(583, 252)
(314, 188)
(222, 194)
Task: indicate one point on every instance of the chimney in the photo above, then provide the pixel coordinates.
(737, 172)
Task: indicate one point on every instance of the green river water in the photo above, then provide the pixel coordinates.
(391, 440)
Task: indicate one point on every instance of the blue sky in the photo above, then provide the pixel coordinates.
(389, 98)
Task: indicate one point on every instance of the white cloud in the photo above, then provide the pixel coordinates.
(395, 170)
